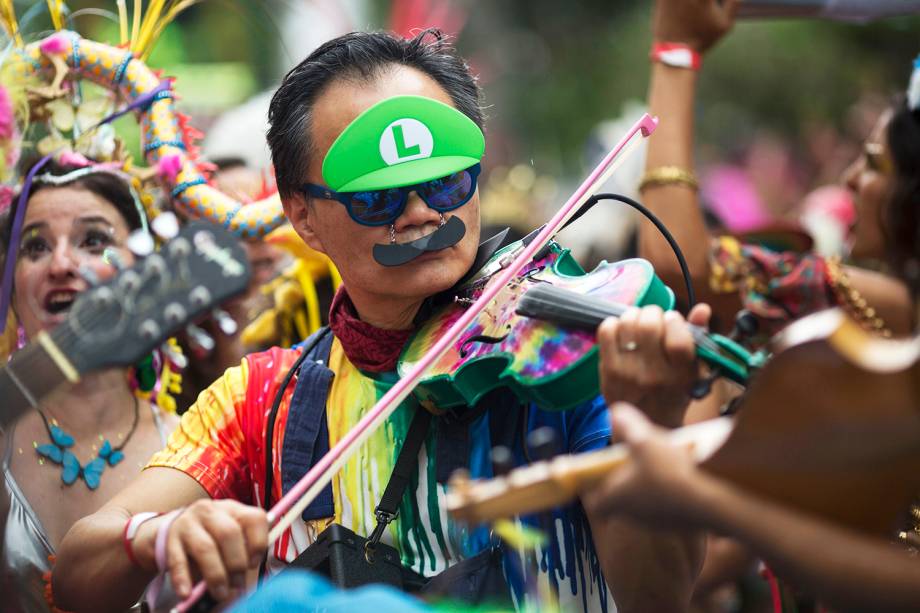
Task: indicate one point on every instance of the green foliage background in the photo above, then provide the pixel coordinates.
(552, 70)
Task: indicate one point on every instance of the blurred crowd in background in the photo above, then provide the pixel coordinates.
(776, 119)
(574, 74)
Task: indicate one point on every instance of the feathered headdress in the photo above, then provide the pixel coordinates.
(40, 86)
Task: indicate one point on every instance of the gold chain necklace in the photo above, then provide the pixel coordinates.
(852, 301)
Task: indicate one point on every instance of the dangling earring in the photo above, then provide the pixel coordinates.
(392, 233)
(441, 222)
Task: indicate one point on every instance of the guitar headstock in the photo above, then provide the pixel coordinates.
(118, 322)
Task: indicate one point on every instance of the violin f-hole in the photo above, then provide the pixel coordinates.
(479, 338)
(530, 274)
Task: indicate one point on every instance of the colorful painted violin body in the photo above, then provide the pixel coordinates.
(542, 359)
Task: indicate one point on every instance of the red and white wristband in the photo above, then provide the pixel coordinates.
(156, 586)
(677, 55)
(131, 528)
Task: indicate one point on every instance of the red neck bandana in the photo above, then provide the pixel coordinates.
(367, 347)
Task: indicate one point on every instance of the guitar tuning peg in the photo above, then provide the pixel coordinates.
(175, 357)
(702, 387)
(502, 460)
(141, 244)
(200, 342)
(165, 225)
(111, 257)
(225, 322)
(731, 407)
(544, 443)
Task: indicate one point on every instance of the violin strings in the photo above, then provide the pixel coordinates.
(545, 299)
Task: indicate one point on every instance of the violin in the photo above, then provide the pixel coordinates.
(830, 426)
(538, 336)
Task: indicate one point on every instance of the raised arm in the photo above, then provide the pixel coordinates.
(777, 287)
(698, 24)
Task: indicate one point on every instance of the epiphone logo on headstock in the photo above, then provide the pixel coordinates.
(205, 245)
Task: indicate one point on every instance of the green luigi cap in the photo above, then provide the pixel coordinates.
(401, 141)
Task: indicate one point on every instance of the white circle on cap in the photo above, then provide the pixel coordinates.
(405, 139)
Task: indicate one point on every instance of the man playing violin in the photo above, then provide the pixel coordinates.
(376, 143)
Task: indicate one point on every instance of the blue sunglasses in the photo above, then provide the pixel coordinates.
(382, 207)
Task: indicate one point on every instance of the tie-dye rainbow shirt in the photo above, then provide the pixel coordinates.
(219, 443)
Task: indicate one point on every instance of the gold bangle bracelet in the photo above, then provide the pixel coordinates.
(669, 175)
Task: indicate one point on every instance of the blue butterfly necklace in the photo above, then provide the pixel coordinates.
(58, 451)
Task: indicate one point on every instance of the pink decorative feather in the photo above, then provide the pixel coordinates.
(54, 44)
(72, 158)
(7, 117)
(169, 167)
(6, 197)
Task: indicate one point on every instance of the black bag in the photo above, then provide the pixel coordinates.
(346, 560)
(479, 580)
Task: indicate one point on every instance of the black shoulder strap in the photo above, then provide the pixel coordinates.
(308, 348)
(406, 464)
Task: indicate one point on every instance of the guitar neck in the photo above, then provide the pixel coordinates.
(545, 485)
(33, 372)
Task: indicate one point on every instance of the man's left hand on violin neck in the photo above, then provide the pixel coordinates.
(648, 358)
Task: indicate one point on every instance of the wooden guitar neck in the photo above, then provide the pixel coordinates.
(548, 484)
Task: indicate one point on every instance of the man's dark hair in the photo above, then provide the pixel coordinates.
(360, 56)
(106, 185)
(901, 221)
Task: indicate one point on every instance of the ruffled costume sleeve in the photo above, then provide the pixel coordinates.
(777, 287)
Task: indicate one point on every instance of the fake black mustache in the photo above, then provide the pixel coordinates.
(398, 254)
